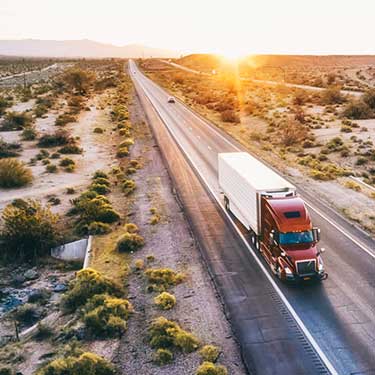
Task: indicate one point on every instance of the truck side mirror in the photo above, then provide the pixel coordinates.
(316, 233)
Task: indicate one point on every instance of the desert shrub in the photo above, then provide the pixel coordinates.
(70, 168)
(85, 364)
(51, 168)
(4, 104)
(161, 279)
(101, 181)
(14, 173)
(209, 368)
(130, 170)
(229, 115)
(87, 284)
(345, 129)
(26, 314)
(40, 110)
(77, 80)
(127, 142)
(128, 186)
(369, 98)
(163, 356)
(106, 316)
(129, 242)
(43, 332)
(134, 163)
(334, 144)
(70, 190)
(65, 162)
(332, 95)
(165, 300)
(6, 370)
(357, 110)
(122, 152)
(124, 132)
(155, 219)
(361, 161)
(91, 207)
(64, 119)
(131, 228)
(100, 174)
(9, 150)
(16, 121)
(98, 130)
(293, 132)
(71, 149)
(352, 185)
(100, 188)
(164, 333)
(209, 353)
(98, 228)
(59, 138)
(29, 133)
(40, 296)
(43, 154)
(29, 229)
(139, 264)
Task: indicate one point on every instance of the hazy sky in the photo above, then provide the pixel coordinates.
(230, 27)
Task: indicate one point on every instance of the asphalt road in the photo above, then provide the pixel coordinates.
(339, 313)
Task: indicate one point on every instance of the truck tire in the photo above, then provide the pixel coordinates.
(226, 203)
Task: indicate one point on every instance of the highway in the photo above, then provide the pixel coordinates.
(337, 316)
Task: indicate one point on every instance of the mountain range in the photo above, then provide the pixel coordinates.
(78, 48)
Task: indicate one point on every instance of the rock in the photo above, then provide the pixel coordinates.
(18, 280)
(60, 288)
(31, 274)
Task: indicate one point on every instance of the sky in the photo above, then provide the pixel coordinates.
(232, 28)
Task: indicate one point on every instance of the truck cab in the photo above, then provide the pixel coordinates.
(288, 240)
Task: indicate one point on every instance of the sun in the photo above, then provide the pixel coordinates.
(233, 55)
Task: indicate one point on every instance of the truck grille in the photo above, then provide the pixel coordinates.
(306, 267)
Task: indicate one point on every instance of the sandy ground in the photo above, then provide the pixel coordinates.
(198, 307)
(98, 154)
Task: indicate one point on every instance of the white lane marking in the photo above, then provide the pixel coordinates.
(324, 217)
(304, 329)
(359, 244)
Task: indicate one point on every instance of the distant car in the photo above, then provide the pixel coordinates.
(171, 99)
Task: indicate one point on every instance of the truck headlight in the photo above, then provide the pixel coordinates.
(288, 272)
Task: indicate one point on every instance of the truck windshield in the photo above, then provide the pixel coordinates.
(296, 237)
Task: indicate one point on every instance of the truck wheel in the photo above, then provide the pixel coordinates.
(226, 203)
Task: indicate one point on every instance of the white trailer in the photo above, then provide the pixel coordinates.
(243, 180)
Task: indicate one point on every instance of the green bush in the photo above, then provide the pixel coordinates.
(131, 228)
(332, 95)
(64, 119)
(128, 186)
(129, 242)
(71, 149)
(165, 300)
(163, 357)
(161, 279)
(164, 333)
(127, 142)
(9, 150)
(29, 133)
(59, 138)
(209, 368)
(86, 364)
(102, 181)
(98, 130)
(130, 170)
(100, 174)
(16, 121)
(6, 370)
(106, 316)
(209, 353)
(65, 162)
(14, 173)
(26, 313)
(98, 228)
(87, 284)
(122, 152)
(51, 168)
(99, 188)
(369, 98)
(43, 332)
(29, 229)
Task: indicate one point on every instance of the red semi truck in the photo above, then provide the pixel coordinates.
(276, 218)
